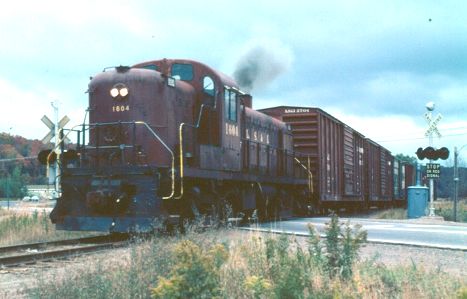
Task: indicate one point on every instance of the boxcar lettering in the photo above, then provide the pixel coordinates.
(298, 110)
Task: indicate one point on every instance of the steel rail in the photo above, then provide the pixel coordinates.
(38, 245)
(31, 258)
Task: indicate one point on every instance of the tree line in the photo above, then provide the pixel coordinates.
(18, 165)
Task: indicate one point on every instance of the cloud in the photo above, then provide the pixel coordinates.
(22, 110)
(366, 59)
(19, 110)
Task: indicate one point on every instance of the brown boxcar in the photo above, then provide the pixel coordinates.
(335, 151)
(379, 171)
(404, 177)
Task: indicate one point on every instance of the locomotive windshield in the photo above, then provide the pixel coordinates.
(182, 71)
(151, 67)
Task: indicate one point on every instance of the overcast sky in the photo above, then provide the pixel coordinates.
(372, 64)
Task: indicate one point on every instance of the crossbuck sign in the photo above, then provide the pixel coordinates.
(432, 125)
(51, 126)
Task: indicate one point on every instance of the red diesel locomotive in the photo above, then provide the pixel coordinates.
(171, 139)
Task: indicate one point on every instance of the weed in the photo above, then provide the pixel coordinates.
(446, 210)
(391, 214)
(286, 269)
(340, 247)
(258, 287)
(462, 293)
(195, 273)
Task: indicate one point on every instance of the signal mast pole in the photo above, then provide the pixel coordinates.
(57, 148)
(432, 128)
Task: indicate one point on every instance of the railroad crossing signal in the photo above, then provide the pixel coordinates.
(432, 154)
(51, 126)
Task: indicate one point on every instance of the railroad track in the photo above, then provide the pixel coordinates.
(16, 255)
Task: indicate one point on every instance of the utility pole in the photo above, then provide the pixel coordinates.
(456, 184)
(456, 180)
(7, 190)
(8, 180)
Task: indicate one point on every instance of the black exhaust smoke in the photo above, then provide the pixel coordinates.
(261, 63)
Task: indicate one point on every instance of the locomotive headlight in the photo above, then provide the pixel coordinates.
(119, 91)
(114, 92)
(124, 92)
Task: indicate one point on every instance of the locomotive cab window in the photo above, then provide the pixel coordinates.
(230, 104)
(182, 71)
(209, 91)
(208, 85)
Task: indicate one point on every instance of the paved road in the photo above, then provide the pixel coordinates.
(4, 203)
(440, 235)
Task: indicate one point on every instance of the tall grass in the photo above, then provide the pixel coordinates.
(227, 264)
(446, 210)
(17, 228)
(391, 214)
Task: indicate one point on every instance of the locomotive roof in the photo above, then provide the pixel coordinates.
(225, 79)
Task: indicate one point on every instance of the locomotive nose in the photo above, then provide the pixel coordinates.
(106, 202)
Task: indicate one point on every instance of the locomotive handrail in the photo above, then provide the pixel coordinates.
(109, 146)
(124, 123)
(310, 174)
(180, 129)
(171, 153)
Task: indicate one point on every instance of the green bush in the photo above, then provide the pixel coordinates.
(340, 251)
(258, 287)
(446, 210)
(288, 270)
(195, 273)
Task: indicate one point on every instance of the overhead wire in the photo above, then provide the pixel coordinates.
(419, 135)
